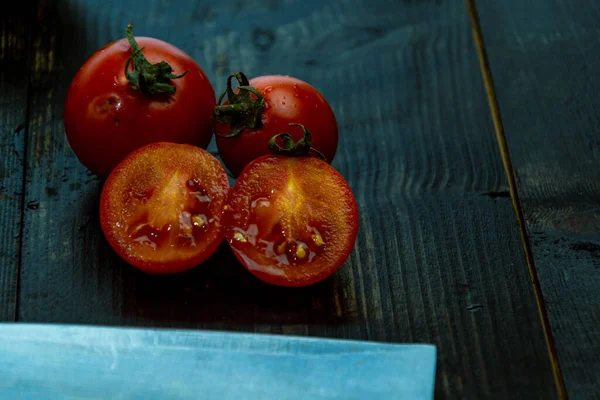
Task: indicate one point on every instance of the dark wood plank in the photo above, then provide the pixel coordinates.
(15, 27)
(438, 258)
(544, 58)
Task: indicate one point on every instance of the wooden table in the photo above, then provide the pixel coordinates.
(508, 294)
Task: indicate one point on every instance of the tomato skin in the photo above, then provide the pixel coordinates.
(105, 119)
(280, 204)
(134, 188)
(287, 100)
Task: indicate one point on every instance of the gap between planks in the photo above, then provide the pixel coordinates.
(506, 161)
(33, 10)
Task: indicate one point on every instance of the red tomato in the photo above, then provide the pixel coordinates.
(106, 118)
(161, 208)
(287, 100)
(291, 221)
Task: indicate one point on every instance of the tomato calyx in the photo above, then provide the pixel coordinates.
(301, 148)
(146, 77)
(242, 111)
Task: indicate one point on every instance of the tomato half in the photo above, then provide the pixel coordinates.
(161, 208)
(106, 118)
(291, 221)
(287, 100)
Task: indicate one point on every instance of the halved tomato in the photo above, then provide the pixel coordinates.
(161, 208)
(291, 221)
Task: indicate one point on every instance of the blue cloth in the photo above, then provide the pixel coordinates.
(60, 361)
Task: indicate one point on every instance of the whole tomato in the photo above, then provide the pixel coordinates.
(264, 107)
(133, 92)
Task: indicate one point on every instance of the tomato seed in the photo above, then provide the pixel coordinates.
(138, 228)
(239, 237)
(317, 239)
(300, 251)
(281, 247)
(198, 221)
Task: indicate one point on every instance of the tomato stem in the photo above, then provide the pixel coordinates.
(301, 148)
(229, 109)
(145, 77)
(243, 111)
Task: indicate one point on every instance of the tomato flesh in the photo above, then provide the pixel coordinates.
(291, 221)
(161, 207)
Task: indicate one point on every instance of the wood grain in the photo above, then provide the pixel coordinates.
(544, 56)
(15, 27)
(438, 257)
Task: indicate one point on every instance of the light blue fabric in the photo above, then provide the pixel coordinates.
(67, 362)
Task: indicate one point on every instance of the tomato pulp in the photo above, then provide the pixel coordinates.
(291, 221)
(287, 100)
(106, 118)
(161, 208)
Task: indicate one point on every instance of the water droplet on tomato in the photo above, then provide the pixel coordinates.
(268, 89)
(185, 222)
(201, 197)
(192, 183)
(185, 239)
(146, 241)
(252, 230)
(268, 247)
(283, 259)
(261, 202)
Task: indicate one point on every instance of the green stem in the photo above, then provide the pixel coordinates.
(228, 109)
(243, 111)
(301, 148)
(145, 77)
